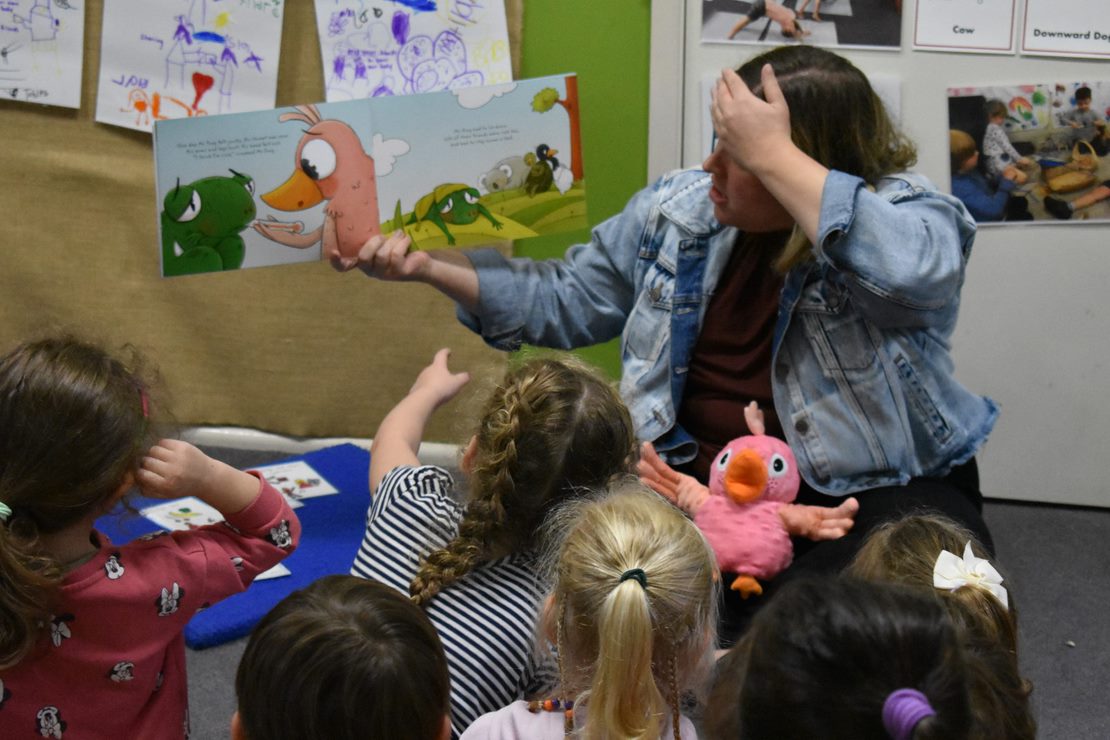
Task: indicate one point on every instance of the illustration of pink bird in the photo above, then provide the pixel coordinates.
(331, 165)
(747, 512)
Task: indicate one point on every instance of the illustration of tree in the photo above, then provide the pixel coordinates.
(546, 99)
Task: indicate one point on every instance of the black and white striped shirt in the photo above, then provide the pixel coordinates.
(486, 620)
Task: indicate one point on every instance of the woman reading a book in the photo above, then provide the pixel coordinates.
(801, 267)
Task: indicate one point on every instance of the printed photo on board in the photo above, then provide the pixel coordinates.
(1034, 152)
(831, 23)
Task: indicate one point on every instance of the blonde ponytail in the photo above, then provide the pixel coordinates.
(636, 603)
(623, 694)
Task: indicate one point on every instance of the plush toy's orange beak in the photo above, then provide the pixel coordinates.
(295, 194)
(746, 476)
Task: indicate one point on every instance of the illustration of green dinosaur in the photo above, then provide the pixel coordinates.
(201, 222)
(451, 203)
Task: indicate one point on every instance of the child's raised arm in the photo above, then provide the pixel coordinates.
(173, 468)
(398, 437)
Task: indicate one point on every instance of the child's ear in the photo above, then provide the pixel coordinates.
(467, 462)
(445, 731)
(127, 484)
(238, 733)
(549, 626)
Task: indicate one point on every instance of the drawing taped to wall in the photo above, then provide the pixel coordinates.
(374, 48)
(1035, 152)
(41, 51)
(316, 181)
(164, 59)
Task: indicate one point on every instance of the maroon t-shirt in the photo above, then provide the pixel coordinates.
(731, 363)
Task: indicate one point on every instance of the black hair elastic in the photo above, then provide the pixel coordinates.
(636, 573)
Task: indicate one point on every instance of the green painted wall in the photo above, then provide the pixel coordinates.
(607, 43)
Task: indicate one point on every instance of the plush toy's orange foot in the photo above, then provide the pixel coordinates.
(747, 586)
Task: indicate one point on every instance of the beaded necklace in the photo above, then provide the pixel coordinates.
(566, 706)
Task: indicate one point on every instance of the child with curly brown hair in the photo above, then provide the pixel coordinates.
(551, 430)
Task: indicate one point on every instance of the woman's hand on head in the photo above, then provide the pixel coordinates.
(438, 382)
(753, 131)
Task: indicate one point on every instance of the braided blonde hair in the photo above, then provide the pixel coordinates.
(636, 605)
(552, 429)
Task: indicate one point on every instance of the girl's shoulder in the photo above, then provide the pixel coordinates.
(516, 722)
(426, 485)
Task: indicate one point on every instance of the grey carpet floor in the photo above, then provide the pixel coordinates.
(1058, 562)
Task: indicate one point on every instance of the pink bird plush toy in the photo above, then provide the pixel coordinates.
(747, 513)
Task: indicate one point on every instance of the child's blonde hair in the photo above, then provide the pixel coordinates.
(961, 147)
(905, 551)
(73, 425)
(551, 430)
(634, 610)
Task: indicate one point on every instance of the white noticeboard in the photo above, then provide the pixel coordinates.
(1034, 329)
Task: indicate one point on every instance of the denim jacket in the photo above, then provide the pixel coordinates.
(861, 371)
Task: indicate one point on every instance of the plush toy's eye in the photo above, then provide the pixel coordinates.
(777, 466)
(471, 198)
(318, 159)
(192, 209)
(446, 207)
(722, 459)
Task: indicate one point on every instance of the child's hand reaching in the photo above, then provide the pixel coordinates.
(438, 383)
(398, 437)
(173, 468)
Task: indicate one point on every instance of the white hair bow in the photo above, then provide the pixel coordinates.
(952, 573)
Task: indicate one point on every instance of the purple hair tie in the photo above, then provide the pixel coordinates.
(902, 710)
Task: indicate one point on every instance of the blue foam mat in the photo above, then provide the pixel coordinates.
(331, 532)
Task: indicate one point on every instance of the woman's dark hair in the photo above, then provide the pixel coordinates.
(343, 659)
(823, 656)
(73, 425)
(835, 117)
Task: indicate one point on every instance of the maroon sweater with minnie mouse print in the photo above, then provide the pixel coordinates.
(112, 662)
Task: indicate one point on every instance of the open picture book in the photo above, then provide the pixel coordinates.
(457, 168)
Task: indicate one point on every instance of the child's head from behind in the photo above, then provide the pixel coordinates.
(633, 609)
(344, 658)
(73, 428)
(832, 659)
(996, 111)
(552, 429)
(964, 153)
(906, 551)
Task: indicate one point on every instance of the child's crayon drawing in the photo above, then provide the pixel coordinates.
(41, 51)
(165, 59)
(372, 48)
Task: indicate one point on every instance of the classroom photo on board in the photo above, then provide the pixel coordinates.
(1036, 152)
(832, 23)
